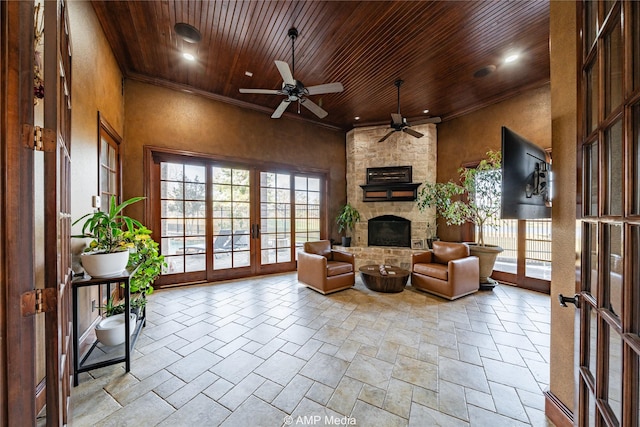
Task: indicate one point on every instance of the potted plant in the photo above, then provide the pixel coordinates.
(480, 207)
(147, 263)
(107, 253)
(346, 220)
(146, 258)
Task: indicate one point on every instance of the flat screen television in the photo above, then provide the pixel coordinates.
(526, 178)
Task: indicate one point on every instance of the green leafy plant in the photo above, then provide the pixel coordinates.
(482, 186)
(145, 256)
(107, 228)
(112, 308)
(347, 218)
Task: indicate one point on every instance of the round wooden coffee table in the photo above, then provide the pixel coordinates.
(394, 281)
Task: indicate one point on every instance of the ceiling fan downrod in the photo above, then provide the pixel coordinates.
(398, 83)
(293, 35)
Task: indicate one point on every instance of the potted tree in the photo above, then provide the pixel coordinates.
(480, 207)
(107, 254)
(346, 220)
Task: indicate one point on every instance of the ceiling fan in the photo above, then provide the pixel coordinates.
(293, 89)
(399, 123)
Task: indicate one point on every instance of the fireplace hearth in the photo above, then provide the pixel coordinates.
(389, 230)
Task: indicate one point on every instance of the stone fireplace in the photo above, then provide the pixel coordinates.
(400, 149)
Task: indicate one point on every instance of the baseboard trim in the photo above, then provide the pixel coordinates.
(557, 412)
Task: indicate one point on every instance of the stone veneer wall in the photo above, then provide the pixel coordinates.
(400, 149)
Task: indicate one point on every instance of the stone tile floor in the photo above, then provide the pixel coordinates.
(268, 351)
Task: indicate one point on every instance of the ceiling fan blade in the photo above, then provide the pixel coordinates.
(261, 91)
(314, 108)
(397, 118)
(432, 120)
(325, 88)
(386, 136)
(412, 132)
(285, 72)
(283, 106)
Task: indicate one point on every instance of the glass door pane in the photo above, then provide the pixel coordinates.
(613, 170)
(231, 217)
(275, 218)
(613, 67)
(612, 280)
(505, 235)
(538, 249)
(591, 109)
(590, 23)
(614, 377)
(307, 210)
(591, 179)
(182, 217)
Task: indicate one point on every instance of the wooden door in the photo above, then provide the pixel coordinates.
(57, 168)
(17, 332)
(609, 339)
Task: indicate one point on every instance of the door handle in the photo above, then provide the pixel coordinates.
(255, 231)
(575, 300)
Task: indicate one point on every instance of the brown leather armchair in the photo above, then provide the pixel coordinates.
(447, 270)
(325, 270)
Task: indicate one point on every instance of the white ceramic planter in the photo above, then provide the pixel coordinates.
(104, 264)
(110, 331)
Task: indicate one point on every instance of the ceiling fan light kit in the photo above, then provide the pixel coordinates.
(293, 89)
(399, 123)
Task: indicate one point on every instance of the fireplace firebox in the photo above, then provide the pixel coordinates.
(389, 230)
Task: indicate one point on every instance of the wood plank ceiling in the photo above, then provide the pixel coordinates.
(435, 47)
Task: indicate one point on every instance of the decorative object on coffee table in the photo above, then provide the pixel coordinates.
(384, 278)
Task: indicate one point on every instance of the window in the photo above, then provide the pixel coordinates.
(109, 158)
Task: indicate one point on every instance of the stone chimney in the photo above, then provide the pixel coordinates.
(400, 149)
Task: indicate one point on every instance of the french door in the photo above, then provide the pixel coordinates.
(526, 259)
(221, 220)
(609, 143)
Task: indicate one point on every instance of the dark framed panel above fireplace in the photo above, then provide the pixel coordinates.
(389, 184)
(389, 175)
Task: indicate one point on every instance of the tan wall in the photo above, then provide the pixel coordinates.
(563, 41)
(468, 138)
(167, 118)
(96, 86)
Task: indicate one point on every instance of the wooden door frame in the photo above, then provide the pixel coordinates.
(17, 355)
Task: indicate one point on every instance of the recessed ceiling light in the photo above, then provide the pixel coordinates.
(357, 117)
(187, 32)
(511, 58)
(188, 56)
(484, 71)
(425, 111)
